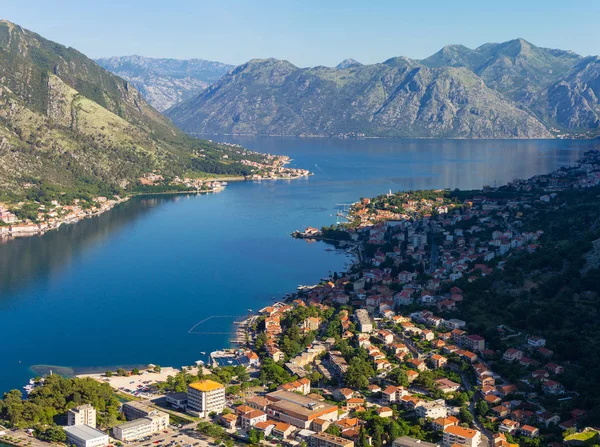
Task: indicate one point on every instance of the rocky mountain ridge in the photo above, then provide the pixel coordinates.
(166, 82)
(508, 90)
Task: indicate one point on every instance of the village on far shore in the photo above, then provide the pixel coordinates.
(378, 355)
(32, 218)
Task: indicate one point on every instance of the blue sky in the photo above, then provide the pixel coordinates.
(305, 32)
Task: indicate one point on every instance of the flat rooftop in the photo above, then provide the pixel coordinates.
(84, 432)
(134, 423)
(301, 407)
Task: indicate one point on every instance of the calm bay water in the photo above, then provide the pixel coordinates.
(125, 288)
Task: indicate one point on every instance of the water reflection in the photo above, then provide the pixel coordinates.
(37, 258)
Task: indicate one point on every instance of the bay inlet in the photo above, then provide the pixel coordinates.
(126, 287)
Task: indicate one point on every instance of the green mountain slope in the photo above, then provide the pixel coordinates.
(399, 97)
(72, 126)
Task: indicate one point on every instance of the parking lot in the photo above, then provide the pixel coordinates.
(172, 438)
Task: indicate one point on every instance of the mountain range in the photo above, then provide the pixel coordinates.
(166, 82)
(70, 129)
(498, 90)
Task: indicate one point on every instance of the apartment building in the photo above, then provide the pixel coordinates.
(327, 440)
(204, 397)
(461, 436)
(82, 415)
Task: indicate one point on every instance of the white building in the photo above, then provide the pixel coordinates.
(82, 415)
(142, 427)
(363, 320)
(85, 436)
(455, 434)
(177, 400)
(205, 397)
(432, 409)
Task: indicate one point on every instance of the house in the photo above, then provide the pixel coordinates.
(283, 430)
(440, 424)
(505, 390)
(457, 335)
(385, 412)
(553, 368)
(545, 352)
(548, 419)
(418, 364)
(431, 409)
(467, 355)
(501, 411)
(438, 361)
(299, 386)
(318, 425)
(258, 403)
(500, 441)
(455, 434)
(374, 389)
(508, 426)
(253, 359)
(438, 344)
(552, 387)
(529, 431)
(265, 427)
(251, 418)
(412, 375)
(385, 336)
(228, 421)
(427, 335)
(492, 399)
(393, 394)
(474, 342)
(312, 323)
(343, 394)
(354, 402)
(447, 386)
(382, 365)
(512, 355)
(536, 342)
(540, 374)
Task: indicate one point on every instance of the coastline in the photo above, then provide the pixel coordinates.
(11, 232)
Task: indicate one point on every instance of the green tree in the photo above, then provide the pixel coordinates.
(359, 372)
(465, 415)
(51, 434)
(334, 430)
(482, 408)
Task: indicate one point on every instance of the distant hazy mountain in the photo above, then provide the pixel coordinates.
(166, 82)
(499, 90)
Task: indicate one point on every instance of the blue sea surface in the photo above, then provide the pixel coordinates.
(125, 288)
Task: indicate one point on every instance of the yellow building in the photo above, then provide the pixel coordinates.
(205, 397)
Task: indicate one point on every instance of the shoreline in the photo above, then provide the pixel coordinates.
(7, 233)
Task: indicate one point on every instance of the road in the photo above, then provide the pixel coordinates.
(488, 438)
